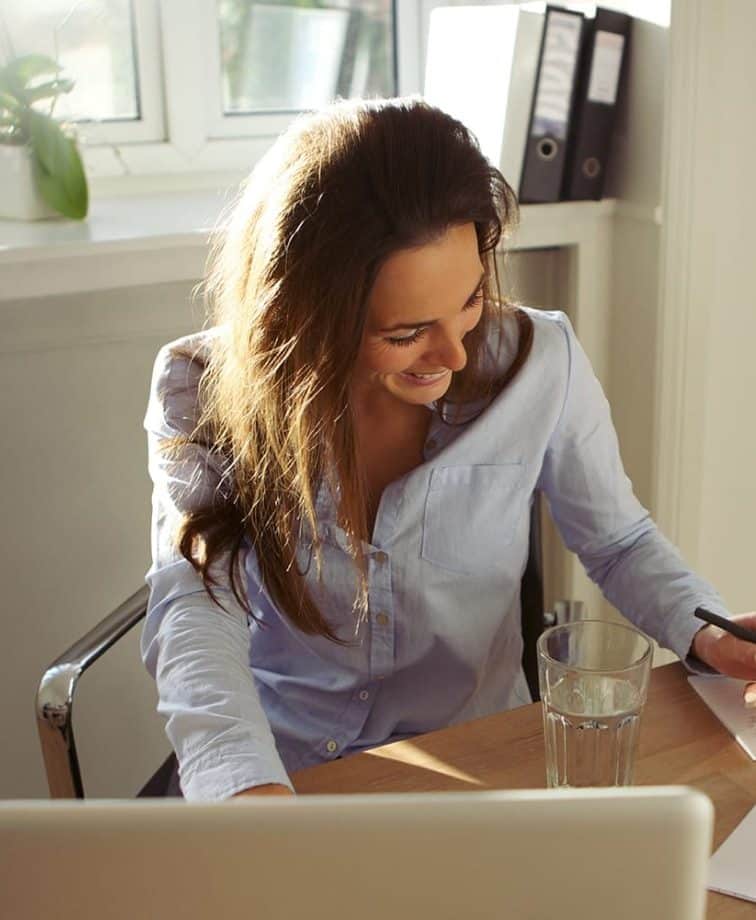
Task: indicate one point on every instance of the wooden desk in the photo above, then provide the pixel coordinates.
(681, 742)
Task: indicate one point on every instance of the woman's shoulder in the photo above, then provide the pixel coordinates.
(551, 330)
(176, 375)
(182, 361)
(549, 326)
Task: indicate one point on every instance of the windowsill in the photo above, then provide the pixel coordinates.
(164, 237)
(122, 243)
(114, 223)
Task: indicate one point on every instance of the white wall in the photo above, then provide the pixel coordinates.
(635, 179)
(706, 441)
(74, 377)
(728, 487)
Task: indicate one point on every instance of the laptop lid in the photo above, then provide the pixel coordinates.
(581, 853)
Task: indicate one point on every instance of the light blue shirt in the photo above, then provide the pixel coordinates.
(247, 705)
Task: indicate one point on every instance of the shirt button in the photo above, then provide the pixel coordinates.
(381, 618)
(364, 694)
(381, 558)
(331, 746)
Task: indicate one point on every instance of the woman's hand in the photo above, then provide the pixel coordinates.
(729, 655)
(267, 789)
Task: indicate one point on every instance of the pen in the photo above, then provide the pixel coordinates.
(735, 629)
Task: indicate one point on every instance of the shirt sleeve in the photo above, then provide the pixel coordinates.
(593, 505)
(198, 653)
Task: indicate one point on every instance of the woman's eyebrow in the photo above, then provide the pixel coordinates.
(430, 322)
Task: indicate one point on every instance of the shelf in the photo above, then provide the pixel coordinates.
(162, 238)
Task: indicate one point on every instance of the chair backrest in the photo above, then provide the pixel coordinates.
(55, 696)
(533, 614)
(57, 688)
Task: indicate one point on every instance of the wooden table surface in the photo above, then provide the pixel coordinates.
(681, 742)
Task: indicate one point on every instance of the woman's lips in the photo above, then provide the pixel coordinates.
(424, 381)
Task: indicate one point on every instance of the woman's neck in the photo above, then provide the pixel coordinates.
(390, 422)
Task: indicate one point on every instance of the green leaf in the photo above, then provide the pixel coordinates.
(49, 90)
(8, 102)
(25, 68)
(58, 169)
(16, 76)
(11, 88)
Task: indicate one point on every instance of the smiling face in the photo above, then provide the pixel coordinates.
(423, 303)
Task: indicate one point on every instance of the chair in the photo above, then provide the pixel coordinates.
(56, 694)
(58, 685)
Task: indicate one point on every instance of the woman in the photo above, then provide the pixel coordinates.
(344, 464)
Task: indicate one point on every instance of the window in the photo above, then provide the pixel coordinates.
(269, 60)
(204, 85)
(109, 48)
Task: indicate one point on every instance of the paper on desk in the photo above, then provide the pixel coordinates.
(724, 696)
(731, 868)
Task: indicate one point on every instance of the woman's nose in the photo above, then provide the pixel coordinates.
(450, 352)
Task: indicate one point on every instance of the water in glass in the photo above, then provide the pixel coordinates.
(591, 730)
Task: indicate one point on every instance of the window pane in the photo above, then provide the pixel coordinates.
(301, 54)
(94, 43)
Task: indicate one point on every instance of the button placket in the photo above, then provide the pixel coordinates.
(381, 606)
(380, 596)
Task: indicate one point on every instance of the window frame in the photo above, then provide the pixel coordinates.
(150, 126)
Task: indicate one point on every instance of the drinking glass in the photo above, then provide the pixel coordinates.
(593, 677)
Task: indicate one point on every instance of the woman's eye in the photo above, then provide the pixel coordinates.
(474, 301)
(409, 339)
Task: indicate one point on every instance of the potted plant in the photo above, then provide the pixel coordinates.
(41, 173)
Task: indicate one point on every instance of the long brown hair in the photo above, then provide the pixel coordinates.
(335, 196)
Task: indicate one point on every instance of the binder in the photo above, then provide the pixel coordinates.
(481, 69)
(600, 86)
(553, 103)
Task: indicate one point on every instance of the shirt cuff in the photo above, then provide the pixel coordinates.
(695, 666)
(216, 778)
(684, 633)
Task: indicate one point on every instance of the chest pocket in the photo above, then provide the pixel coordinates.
(471, 514)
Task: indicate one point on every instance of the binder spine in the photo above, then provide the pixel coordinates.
(521, 91)
(602, 80)
(553, 103)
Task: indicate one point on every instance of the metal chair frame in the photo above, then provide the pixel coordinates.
(55, 695)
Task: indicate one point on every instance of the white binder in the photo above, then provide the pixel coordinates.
(481, 68)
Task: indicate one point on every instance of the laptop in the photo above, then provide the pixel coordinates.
(541, 854)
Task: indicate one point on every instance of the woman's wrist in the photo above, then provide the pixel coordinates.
(266, 789)
(702, 642)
